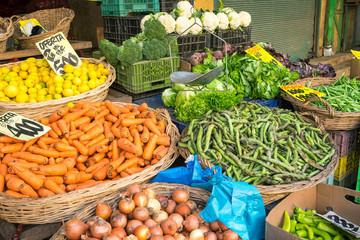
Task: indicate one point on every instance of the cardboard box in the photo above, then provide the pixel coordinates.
(318, 197)
(355, 68)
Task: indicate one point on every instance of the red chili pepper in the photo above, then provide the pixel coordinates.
(18, 232)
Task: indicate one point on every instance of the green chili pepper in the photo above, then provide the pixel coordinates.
(324, 227)
(286, 224)
(323, 234)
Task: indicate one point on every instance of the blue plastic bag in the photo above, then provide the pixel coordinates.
(239, 206)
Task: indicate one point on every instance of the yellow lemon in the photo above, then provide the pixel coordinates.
(32, 100)
(4, 70)
(49, 82)
(42, 91)
(104, 72)
(29, 82)
(40, 98)
(31, 60)
(74, 87)
(11, 91)
(42, 84)
(76, 92)
(38, 86)
(3, 99)
(68, 92)
(32, 90)
(77, 72)
(67, 84)
(7, 78)
(51, 89)
(3, 84)
(98, 73)
(83, 88)
(58, 90)
(76, 81)
(39, 63)
(52, 73)
(68, 68)
(57, 96)
(49, 97)
(92, 83)
(24, 66)
(23, 74)
(86, 62)
(13, 82)
(84, 77)
(58, 84)
(45, 73)
(18, 79)
(32, 69)
(15, 68)
(92, 74)
(32, 95)
(70, 105)
(2, 94)
(58, 79)
(23, 88)
(100, 66)
(46, 79)
(68, 76)
(45, 63)
(22, 97)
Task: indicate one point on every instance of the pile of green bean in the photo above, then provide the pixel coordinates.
(343, 95)
(259, 145)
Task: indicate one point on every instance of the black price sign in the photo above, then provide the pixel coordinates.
(342, 223)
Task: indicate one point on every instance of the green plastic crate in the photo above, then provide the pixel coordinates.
(146, 76)
(121, 8)
(358, 184)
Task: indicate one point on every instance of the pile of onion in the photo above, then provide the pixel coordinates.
(141, 215)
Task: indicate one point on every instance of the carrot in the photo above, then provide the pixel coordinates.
(8, 176)
(70, 162)
(133, 170)
(87, 184)
(100, 174)
(152, 127)
(111, 118)
(150, 147)
(82, 158)
(7, 139)
(92, 133)
(43, 192)
(107, 130)
(59, 160)
(3, 169)
(87, 127)
(116, 131)
(154, 161)
(157, 149)
(80, 147)
(127, 164)
(113, 165)
(34, 180)
(14, 183)
(71, 187)
(142, 107)
(125, 132)
(140, 128)
(98, 157)
(28, 143)
(102, 114)
(126, 145)
(91, 113)
(7, 158)
(72, 178)
(56, 179)
(85, 176)
(62, 111)
(48, 140)
(52, 170)
(162, 126)
(145, 135)
(162, 153)
(102, 148)
(163, 140)
(96, 140)
(97, 165)
(52, 186)
(142, 114)
(44, 121)
(135, 112)
(129, 155)
(111, 174)
(89, 162)
(72, 153)
(69, 117)
(76, 135)
(31, 157)
(82, 120)
(54, 126)
(44, 152)
(64, 127)
(113, 108)
(127, 122)
(2, 183)
(11, 148)
(15, 194)
(123, 109)
(92, 149)
(62, 186)
(54, 117)
(51, 161)
(81, 166)
(42, 144)
(124, 174)
(27, 190)
(114, 151)
(117, 123)
(72, 127)
(62, 147)
(137, 141)
(27, 165)
(152, 116)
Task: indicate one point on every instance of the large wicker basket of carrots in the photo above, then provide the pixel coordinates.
(90, 152)
(35, 110)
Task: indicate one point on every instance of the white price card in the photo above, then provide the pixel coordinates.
(58, 52)
(341, 223)
(19, 127)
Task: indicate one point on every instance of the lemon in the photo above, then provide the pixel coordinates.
(98, 73)
(76, 81)
(92, 74)
(45, 63)
(31, 60)
(46, 79)
(5, 70)
(51, 89)
(38, 86)
(49, 97)
(104, 72)
(68, 68)
(70, 105)
(33, 69)
(18, 79)
(32, 100)
(22, 97)
(24, 66)
(32, 90)
(23, 74)
(23, 88)
(49, 82)
(58, 79)
(67, 84)
(11, 91)
(77, 72)
(40, 98)
(45, 73)
(76, 92)
(7, 78)
(68, 92)
(42, 91)
(68, 76)
(3, 84)
(2, 94)
(100, 66)
(57, 96)
(32, 95)
(3, 99)
(29, 82)
(83, 88)
(13, 82)
(39, 63)
(84, 77)
(92, 83)
(85, 62)
(58, 90)
(15, 68)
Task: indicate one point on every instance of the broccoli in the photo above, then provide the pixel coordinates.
(154, 29)
(154, 49)
(174, 46)
(130, 52)
(110, 51)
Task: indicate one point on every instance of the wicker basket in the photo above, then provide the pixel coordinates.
(53, 20)
(34, 110)
(199, 195)
(7, 30)
(271, 193)
(331, 120)
(63, 206)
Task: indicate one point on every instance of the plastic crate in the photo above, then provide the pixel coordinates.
(346, 166)
(358, 183)
(234, 37)
(193, 43)
(121, 8)
(120, 29)
(346, 141)
(136, 96)
(146, 76)
(168, 6)
(267, 103)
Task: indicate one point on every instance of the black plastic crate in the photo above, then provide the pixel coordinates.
(234, 37)
(193, 43)
(120, 29)
(136, 96)
(167, 6)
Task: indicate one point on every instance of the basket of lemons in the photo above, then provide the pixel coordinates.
(31, 88)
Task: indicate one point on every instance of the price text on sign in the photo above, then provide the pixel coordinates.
(58, 52)
(301, 92)
(356, 53)
(342, 223)
(259, 53)
(19, 127)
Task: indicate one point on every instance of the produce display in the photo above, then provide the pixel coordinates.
(306, 225)
(142, 215)
(34, 81)
(89, 144)
(259, 145)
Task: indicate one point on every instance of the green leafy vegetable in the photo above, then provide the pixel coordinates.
(168, 97)
(129, 53)
(110, 51)
(154, 49)
(154, 29)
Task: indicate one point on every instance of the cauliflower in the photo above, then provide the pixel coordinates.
(169, 23)
(143, 20)
(159, 14)
(210, 21)
(195, 29)
(227, 10)
(245, 19)
(223, 21)
(184, 9)
(181, 24)
(234, 20)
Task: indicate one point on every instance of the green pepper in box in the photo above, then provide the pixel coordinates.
(145, 76)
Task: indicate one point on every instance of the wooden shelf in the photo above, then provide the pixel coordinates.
(77, 45)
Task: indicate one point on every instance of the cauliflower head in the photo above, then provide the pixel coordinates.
(169, 23)
(210, 21)
(181, 24)
(143, 20)
(228, 10)
(159, 14)
(234, 20)
(184, 9)
(196, 29)
(223, 20)
(245, 19)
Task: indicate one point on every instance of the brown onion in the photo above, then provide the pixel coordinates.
(222, 226)
(180, 195)
(214, 226)
(230, 235)
(186, 234)
(132, 189)
(170, 207)
(119, 231)
(191, 223)
(204, 228)
(140, 213)
(92, 220)
(126, 205)
(219, 235)
(160, 216)
(86, 237)
(112, 236)
(140, 199)
(103, 210)
(157, 237)
(130, 237)
(210, 236)
(183, 209)
(118, 220)
(132, 225)
(74, 228)
(196, 234)
(150, 223)
(100, 228)
(169, 237)
(156, 230)
(192, 205)
(197, 213)
(150, 193)
(142, 232)
(169, 226)
(178, 219)
(163, 202)
(179, 236)
(153, 205)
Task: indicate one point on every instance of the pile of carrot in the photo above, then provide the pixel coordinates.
(89, 144)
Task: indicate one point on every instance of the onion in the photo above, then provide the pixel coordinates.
(150, 193)
(150, 223)
(192, 205)
(178, 219)
(112, 236)
(222, 226)
(156, 230)
(169, 226)
(214, 226)
(191, 223)
(140, 213)
(196, 234)
(118, 220)
(153, 205)
(186, 234)
(74, 228)
(130, 237)
(100, 228)
(170, 207)
(157, 237)
(130, 216)
(86, 237)
(103, 210)
(230, 235)
(126, 205)
(132, 225)
(179, 236)
(160, 216)
(142, 232)
(180, 195)
(210, 236)
(92, 220)
(132, 189)
(119, 231)
(204, 228)
(197, 213)
(219, 235)
(163, 202)
(140, 199)
(169, 237)
(183, 209)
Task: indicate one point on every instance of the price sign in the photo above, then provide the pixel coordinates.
(19, 127)
(58, 52)
(342, 223)
(356, 53)
(301, 92)
(262, 55)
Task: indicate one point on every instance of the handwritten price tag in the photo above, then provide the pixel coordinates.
(356, 53)
(342, 223)
(262, 55)
(19, 127)
(301, 92)
(58, 52)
